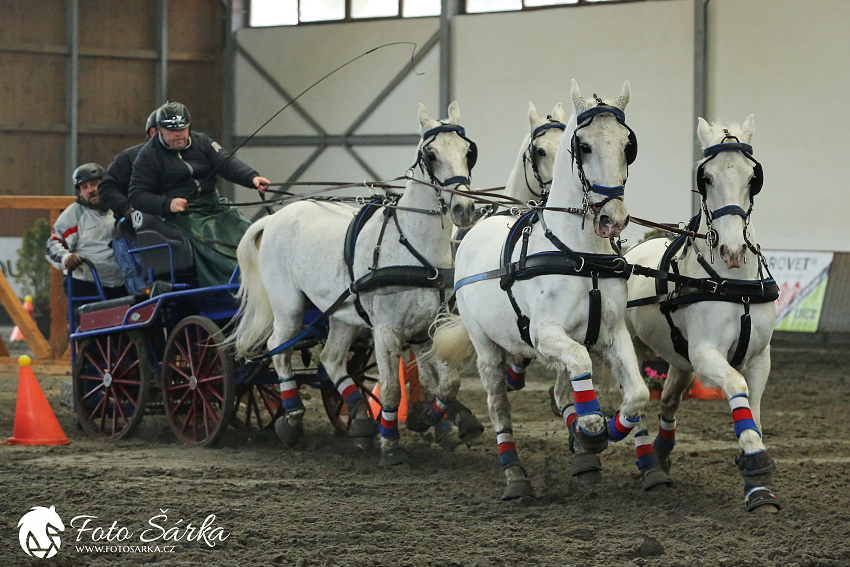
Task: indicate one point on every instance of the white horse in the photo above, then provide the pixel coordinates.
(400, 267)
(532, 174)
(714, 338)
(540, 287)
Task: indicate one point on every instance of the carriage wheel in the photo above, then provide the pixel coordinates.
(111, 382)
(257, 405)
(197, 381)
(334, 404)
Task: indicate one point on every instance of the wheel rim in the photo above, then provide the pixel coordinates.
(111, 385)
(257, 406)
(196, 382)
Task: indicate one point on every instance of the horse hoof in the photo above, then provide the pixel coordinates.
(364, 443)
(586, 468)
(656, 480)
(762, 501)
(393, 457)
(289, 433)
(590, 442)
(468, 427)
(518, 488)
(447, 439)
(420, 418)
(553, 405)
(362, 427)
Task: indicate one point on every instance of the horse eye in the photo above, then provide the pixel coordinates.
(707, 178)
(430, 156)
(585, 149)
(541, 152)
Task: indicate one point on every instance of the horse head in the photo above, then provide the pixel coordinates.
(447, 156)
(727, 179)
(601, 150)
(543, 143)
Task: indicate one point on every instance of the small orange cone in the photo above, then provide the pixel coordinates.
(702, 392)
(17, 335)
(35, 422)
(408, 376)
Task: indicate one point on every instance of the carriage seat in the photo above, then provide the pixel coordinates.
(151, 230)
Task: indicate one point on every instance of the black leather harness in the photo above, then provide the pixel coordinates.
(713, 288)
(564, 261)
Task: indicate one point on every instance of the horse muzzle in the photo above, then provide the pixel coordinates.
(463, 211)
(733, 258)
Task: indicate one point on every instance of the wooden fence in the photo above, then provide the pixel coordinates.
(53, 357)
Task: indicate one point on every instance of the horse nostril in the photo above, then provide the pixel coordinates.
(604, 219)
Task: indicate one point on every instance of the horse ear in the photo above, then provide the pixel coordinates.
(454, 113)
(704, 132)
(424, 120)
(747, 130)
(579, 104)
(558, 113)
(623, 99)
(533, 117)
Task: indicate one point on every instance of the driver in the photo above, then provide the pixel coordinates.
(174, 177)
(84, 230)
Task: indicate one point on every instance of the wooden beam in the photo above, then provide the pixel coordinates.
(3, 350)
(45, 202)
(108, 52)
(58, 307)
(22, 319)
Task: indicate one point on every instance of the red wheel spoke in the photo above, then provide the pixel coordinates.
(182, 399)
(125, 371)
(129, 398)
(202, 351)
(95, 364)
(123, 354)
(189, 349)
(179, 371)
(104, 409)
(93, 415)
(94, 390)
(212, 390)
(210, 365)
(91, 378)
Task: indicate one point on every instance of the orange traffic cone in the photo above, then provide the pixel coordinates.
(408, 376)
(702, 392)
(35, 422)
(17, 335)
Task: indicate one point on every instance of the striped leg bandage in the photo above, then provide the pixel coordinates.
(645, 453)
(437, 410)
(507, 447)
(389, 423)
(290, 396)
(665, 440)
(742, 415)
(350, 392)
(515, 377)
(585, 396)
(620, 427)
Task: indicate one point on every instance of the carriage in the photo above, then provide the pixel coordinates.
(164, 353)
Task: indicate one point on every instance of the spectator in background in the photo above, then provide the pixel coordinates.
(113, 193)
(84, 230)
(174, 177)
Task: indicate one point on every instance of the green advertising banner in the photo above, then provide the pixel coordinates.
(802, 279)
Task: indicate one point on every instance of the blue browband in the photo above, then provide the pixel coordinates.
(444, 128)
(540, 130)
(601, 109)
(731, 147)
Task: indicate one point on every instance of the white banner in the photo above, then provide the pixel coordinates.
(9, 247)
(802, 279)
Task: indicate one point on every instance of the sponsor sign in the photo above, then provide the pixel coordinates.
(802, 279)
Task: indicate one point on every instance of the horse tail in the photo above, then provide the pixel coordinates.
(255, 311)
(452, 344)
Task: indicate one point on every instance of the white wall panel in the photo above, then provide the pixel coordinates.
(785, 61)
(505, 60)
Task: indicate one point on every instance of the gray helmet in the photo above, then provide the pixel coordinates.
(87, 172)
(173, 116)
(151, 122)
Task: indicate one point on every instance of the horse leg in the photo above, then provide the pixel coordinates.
(581, 411)
(757, 469)
(388, 346)
(334, 358)
(445, 408)
(754, 463)
(491, 369)
(515, 376)
(623, 362)
(289, 427)
(675, 385)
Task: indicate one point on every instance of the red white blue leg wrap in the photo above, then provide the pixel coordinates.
(515, 377)
(742, 415)
(389, 423)
(620, 427)
(645, 453)
(290, 396)
(437, 410)
(349, 391)
(665, 440)
(569, 414)
(507, 447)
(585, 396)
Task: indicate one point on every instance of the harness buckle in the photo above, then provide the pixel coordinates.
(581, 266)
(716, 286)
(436, 275)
